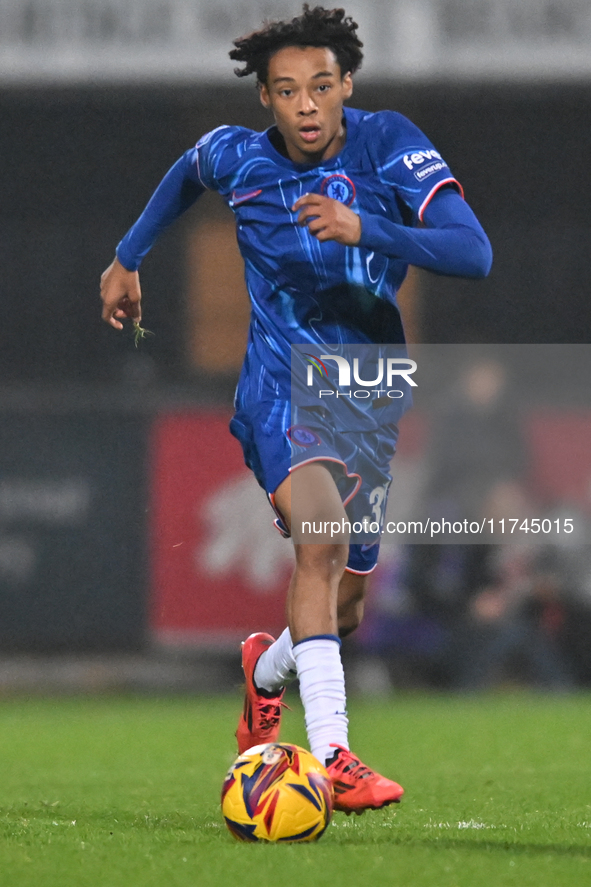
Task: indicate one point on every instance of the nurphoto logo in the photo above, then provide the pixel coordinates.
(387, 370)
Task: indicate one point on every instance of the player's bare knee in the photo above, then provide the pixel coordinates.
(326, 561)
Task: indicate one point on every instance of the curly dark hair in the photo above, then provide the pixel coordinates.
(314, 27)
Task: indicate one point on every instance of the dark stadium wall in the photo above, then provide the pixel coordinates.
(73, 529)
(81, 163)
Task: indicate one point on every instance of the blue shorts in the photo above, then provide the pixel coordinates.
(359, 463)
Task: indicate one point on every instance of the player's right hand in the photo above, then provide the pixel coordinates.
(121, 295)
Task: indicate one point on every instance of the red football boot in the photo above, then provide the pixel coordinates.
(260, 720)
(356, 787)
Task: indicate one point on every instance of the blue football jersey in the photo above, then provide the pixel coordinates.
(323, 297)
(304, 291)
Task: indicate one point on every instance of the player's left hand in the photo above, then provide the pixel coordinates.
(328, 219)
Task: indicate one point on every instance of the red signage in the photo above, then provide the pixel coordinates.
(220, 569)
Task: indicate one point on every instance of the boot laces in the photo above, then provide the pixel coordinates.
(352, 767)
(269, 714)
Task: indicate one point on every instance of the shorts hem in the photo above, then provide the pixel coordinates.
(360, 572)
(338, 462)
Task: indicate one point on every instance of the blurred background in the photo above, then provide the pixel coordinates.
(135, 548)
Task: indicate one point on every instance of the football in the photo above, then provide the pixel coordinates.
(277, 792)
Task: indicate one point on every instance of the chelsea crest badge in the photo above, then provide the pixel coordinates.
(338, 187)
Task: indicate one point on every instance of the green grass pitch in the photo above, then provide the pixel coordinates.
(124, 792)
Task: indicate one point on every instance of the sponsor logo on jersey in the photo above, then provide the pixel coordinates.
(302, 436)
(339, 187)
(427, 171)
(419, 157)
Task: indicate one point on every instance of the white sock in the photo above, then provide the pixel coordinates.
(322, 689)
(276, 666)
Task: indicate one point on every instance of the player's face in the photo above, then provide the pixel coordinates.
(305, 91)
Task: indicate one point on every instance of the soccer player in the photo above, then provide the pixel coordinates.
(332, 205)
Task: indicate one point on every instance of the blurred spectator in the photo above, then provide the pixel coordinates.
(476, 465)
(516, 621)
(477, 449)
